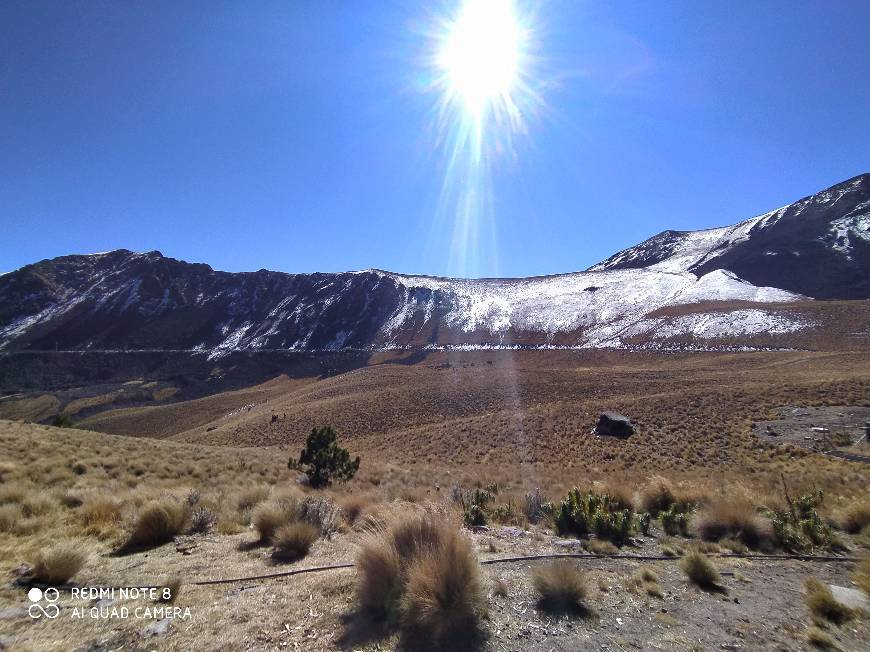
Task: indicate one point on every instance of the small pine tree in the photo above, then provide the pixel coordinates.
(325, 459)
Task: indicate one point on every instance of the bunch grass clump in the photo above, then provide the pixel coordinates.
(58, 563)
(419, 572)
(562, 587)
(293, 540)
(699, 569)
(734, 519)
(157, 523)
(822, 604)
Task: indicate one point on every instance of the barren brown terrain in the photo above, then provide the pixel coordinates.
(424, 423)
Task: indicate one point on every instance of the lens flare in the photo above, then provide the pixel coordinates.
(480, 71)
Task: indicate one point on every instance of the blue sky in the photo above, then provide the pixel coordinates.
(299, 136)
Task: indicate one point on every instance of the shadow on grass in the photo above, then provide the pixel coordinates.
(361, 628)
(246, 546)
(556, 607)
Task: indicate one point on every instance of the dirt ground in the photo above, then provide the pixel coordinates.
(819, 428)
(759, 605)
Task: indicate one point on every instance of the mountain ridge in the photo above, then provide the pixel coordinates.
(122, 299)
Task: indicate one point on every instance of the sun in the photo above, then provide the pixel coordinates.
(480, 55)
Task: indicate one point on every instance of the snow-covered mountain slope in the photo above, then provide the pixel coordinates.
(818, 246)
(122, 299)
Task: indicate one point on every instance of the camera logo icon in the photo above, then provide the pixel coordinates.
(50, 609)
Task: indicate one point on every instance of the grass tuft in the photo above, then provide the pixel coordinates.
(58, 563)
(699, 569)
(823, 605)
(293, 541)
(561, 586)
(420, 572)
(157, 523)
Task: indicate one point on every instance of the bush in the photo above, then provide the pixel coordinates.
(699, 569)
(58, 563)
(157, 523)
(293, 541)
(607, 516)
(474, 504)
(561, 586)
(325, 459)
(421, 573)
(536, 505)
(822, 603)
(202, 520)
(62, 421)
(734, 519)
(250, 497)
(656, 496)
(799, 526)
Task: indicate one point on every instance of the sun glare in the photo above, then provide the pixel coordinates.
(480, 55)
(479, 60)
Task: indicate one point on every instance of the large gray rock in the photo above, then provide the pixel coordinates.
(614, 425)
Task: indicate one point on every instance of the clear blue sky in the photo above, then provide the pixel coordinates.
(294, 135)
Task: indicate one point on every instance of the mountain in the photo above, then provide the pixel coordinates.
(753, 271)
(818, 246)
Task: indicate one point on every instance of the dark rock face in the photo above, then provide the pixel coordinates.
(613, 424)
(818, 246)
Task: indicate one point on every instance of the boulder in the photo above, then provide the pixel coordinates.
(614, 425)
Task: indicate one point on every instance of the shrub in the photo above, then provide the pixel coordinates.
(674, 522)
(822, 603)
(734, 519)
(536, 505)
(158, 523)
(474, 503)
(62, 421)
(799, 526)
(325, 459)
(699, 569)
(293, 541)
(561, 586)
(58, 563)
(421, 573)
(267, 518)
(202, 520)
(581, 513)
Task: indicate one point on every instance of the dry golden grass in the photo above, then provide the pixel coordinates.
(820, 639)
(157, 523)
(267, 518)
(699, 569)
(855, 517)
(293, 540)
(735, 518)
(561, 585)
(823, 605)
(420, 571)
(58, 563)
(443, 596)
